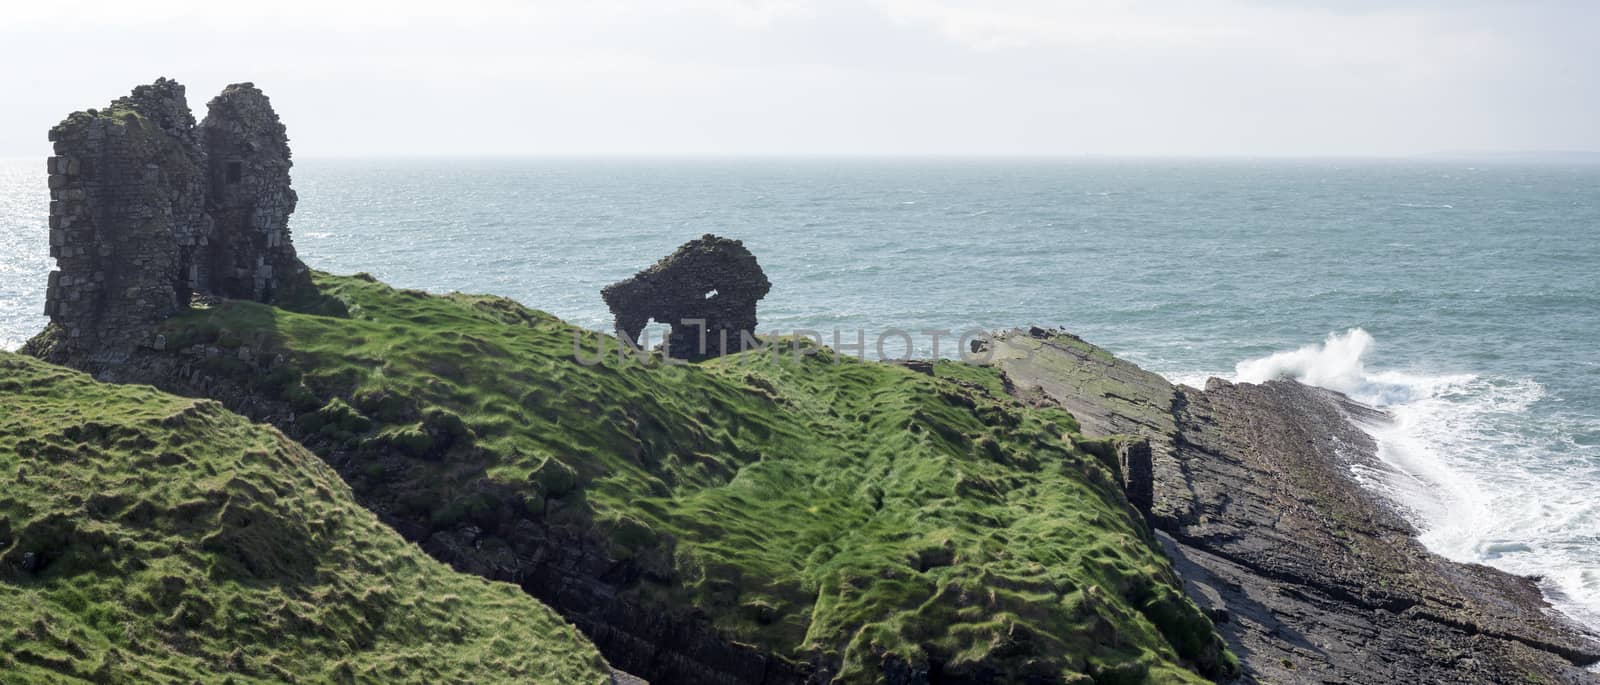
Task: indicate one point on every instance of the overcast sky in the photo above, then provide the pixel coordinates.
(861, 77)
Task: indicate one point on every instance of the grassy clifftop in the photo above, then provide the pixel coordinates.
(146, 538)
(865, 521)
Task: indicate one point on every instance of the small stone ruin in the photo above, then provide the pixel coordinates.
(149, 210)
(706, 291)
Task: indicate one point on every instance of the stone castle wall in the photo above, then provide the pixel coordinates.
(148, 210)
(249, 196)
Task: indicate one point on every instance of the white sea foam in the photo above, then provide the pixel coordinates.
(1481, 477)
(1335, 364)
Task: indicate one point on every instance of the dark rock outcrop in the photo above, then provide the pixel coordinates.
(147, 211)
(706, 291)
(1310, 577)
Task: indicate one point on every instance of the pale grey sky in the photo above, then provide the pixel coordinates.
(862, 77)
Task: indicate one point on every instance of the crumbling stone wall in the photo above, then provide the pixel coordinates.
(136, 194)
(250, 199)
(127, 211)
(710, 279)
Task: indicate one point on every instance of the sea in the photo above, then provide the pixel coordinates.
(1461, 296)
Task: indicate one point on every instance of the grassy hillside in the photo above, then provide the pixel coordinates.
(146, 538)
(864, 518)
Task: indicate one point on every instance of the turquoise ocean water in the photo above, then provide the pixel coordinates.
(1464, 297)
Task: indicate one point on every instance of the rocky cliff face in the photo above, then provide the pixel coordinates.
(148, 211)
(1310, 577)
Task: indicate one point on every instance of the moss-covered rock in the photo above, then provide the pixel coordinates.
(844, 519)
(147, 538)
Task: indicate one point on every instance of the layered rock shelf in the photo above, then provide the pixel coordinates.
(1309, 576)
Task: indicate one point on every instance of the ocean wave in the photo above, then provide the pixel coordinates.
(1472, 466)
(1338, 364)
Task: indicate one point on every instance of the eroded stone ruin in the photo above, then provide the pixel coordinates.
(149, 210)
(711, 279)
(247, 152)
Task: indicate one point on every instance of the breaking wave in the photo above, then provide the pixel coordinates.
(1482, 478)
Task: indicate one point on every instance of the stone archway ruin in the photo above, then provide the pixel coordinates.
(706, 291)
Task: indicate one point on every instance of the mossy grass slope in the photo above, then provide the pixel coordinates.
(147, 538)
(866, 518)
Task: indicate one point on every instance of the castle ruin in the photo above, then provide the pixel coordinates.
(149, 210)
(706, 291)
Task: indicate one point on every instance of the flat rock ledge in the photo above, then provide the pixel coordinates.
(1310, 577)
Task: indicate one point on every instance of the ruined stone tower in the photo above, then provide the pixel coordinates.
(148, 210)
(249, 197)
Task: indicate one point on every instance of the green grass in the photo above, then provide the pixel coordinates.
(859, 516)
(146, 538)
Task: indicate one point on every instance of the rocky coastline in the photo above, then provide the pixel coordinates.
(1309, 576)
(1053, 515)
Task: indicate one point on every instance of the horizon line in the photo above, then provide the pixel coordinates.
(1475, 156)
